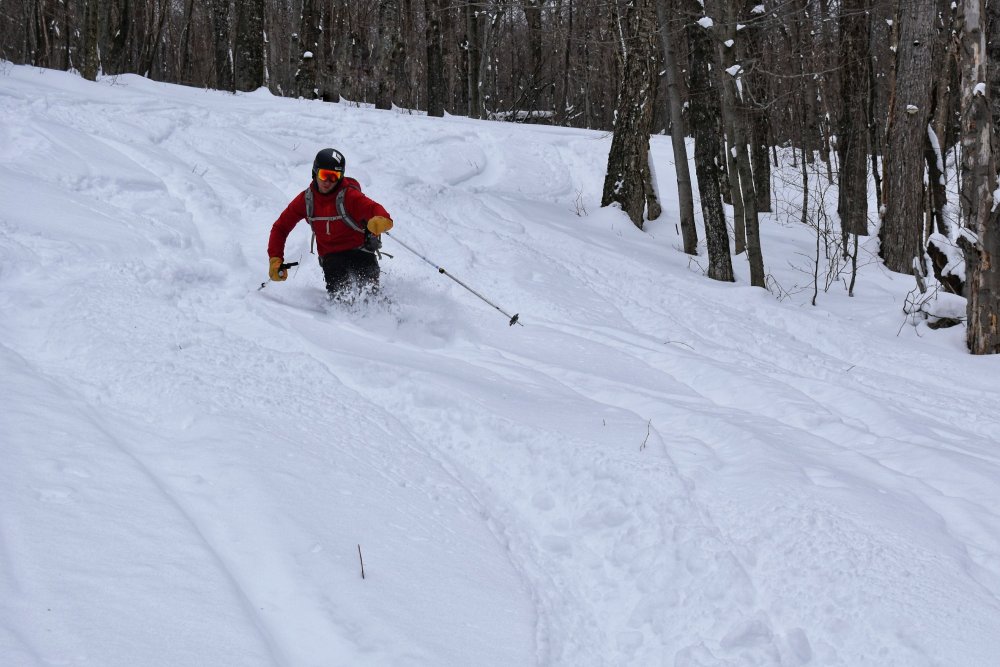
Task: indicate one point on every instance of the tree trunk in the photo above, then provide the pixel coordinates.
(993, 59)
(732, 105)
(758, 127)
(653, 208)
(910, 110)
(852, 138)
(331, 55)
(250, 46)
(533, 89)
(808, 94)
(221, 45)
(453, 93)
(389, 42)
(937, 196)
(159, 12)
(184, 69)
(704, 112)
(435, 59)
(474, 46)
(67, 30)
(402, 86)
(564, 114)
(91, 63)
(944, 55)
(760, 165)
(40, 46)
(979, 167)
(305, 75)
(874, 145)
(732, 173)
(678, 132)
(628, 160)
(120, 28)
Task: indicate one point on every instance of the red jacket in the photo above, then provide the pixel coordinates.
(332, 236)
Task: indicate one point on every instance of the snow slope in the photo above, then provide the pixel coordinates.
(655, 469)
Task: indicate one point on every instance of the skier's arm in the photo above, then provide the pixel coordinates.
(283, 226)
(367, 211)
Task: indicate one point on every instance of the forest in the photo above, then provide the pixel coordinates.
(892, 104)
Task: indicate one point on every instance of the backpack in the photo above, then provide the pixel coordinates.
(342, 214)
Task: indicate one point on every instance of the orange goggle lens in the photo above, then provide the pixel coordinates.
(329, 174)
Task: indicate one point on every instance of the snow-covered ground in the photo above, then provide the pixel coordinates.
(656, 469)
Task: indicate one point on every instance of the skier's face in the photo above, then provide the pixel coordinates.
(327, 179)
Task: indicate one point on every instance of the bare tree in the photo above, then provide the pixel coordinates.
(910, 111)
(184, 67)
(729, 73)
(120, 28)
(221, 41)
(91, 52)
(628, 161)
(979, 168)
(473, 45)
(250, 46)
(309, 48)
(678, 130)
(435, 58)
(534, 83)
(704, 114)
(390, 50)
(852, 137)
(751, 29)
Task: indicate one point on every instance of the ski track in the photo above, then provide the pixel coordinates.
(686, 561)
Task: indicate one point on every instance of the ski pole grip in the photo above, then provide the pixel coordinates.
(289, 265)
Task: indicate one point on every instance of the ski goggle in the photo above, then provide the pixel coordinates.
(329, 174)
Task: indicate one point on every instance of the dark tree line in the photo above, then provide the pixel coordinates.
(482, 59)
(884, 98)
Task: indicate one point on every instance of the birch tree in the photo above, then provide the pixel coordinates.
(979, 169)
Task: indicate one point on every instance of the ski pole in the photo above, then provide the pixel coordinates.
(441, 270)
(283, 267)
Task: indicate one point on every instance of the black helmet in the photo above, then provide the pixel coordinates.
(329, 158)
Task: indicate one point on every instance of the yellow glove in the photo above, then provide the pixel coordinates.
(275, 271)
(378, 224)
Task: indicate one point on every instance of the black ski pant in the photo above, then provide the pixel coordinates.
(350, 272)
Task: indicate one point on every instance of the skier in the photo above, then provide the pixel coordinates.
(346, 225)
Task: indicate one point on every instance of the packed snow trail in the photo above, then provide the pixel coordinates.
(655, 469)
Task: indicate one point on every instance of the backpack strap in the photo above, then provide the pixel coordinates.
(309, 218)
(342, 210)
(342, 214)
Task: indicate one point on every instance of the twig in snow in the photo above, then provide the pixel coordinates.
(362, 562)
(643, 445)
